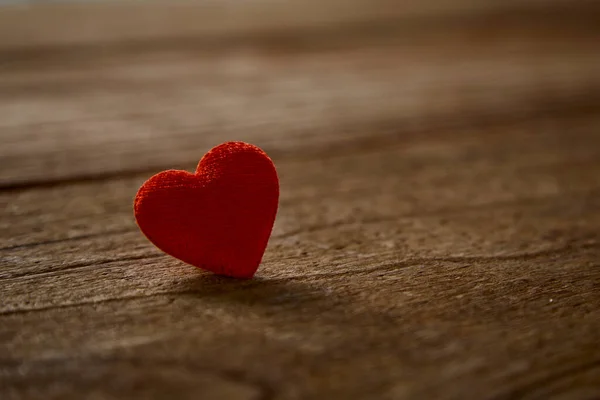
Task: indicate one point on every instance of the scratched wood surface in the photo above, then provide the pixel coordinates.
(439, 227)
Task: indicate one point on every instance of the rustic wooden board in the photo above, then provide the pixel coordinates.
(439, 225)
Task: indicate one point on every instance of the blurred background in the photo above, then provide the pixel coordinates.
(108, 87)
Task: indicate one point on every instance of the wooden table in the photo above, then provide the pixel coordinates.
(439, 227)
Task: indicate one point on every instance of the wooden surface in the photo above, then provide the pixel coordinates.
(439, 227)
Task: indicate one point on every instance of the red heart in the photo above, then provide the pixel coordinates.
(219, 218)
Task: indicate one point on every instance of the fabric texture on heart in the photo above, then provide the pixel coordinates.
(220, 218)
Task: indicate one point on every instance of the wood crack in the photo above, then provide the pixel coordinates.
(364, 271)
(76, 266)
(69, 239)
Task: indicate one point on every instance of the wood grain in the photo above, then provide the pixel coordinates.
(439, 227)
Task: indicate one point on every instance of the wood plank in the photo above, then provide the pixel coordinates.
(536, 169)
(442, 329)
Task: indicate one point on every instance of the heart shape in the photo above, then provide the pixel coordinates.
(220, 218)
